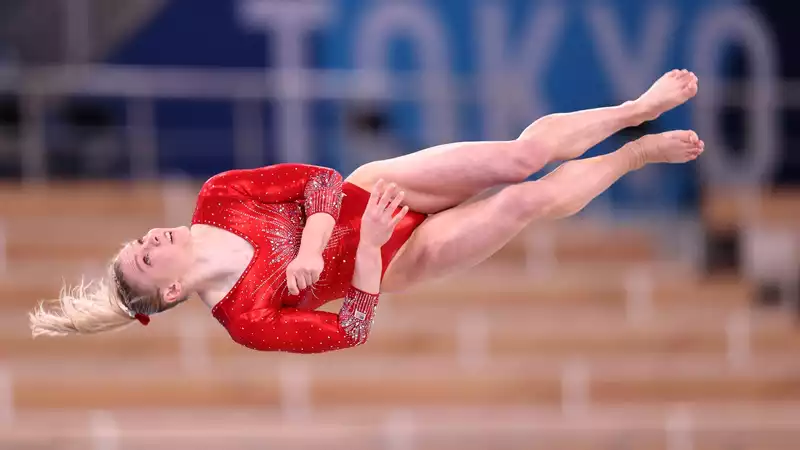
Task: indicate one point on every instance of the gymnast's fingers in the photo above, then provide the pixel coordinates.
(375, 195)
(291, 283)
(395, 204)
(396, 219)
(301, 281)
(309, 279)
(387, 195)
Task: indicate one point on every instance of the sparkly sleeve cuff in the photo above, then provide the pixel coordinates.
(358, 314)
(323, 194)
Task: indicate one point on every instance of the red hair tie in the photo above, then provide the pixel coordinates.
(144, 319)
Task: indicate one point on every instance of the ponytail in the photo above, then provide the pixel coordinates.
(87, 308)
(99, 306)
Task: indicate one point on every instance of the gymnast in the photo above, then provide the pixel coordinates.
(268, 246)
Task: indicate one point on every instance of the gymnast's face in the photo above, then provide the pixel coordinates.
(158, 261)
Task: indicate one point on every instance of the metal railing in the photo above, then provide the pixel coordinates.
(139, 87)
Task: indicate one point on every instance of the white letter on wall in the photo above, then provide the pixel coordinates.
(386, 21)
(632, 68)
(291, 21)
(717, 30)
(509, 81)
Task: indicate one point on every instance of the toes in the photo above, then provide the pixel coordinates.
(698, 149)
(690, 86)
(688, 137)
(683, 75)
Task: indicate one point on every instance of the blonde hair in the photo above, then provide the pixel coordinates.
(95, 307)
(87, 308)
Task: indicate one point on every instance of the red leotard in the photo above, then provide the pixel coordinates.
(268, 208)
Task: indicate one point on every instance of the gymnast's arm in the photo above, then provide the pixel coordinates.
(318, 188)
(301, 331)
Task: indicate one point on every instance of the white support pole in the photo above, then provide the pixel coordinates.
(400, 428)
(104, 431)
(295, 382)
(575, 389)
(638, 296)
(678, 427)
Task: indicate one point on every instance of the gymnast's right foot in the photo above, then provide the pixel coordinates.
(674, 147)
(670, 91)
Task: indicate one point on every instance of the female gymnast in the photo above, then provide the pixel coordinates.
(267, 247)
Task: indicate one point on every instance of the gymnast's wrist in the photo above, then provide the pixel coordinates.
(316, 234)
(367, 273)
(368, 251)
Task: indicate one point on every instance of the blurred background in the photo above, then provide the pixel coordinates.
(664, 317)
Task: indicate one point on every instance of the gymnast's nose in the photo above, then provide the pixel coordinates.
(153, 239)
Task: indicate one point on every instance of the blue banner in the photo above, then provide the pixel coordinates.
(505, 63)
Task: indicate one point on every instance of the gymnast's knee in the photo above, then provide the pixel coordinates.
(537, 200)
(525, 157)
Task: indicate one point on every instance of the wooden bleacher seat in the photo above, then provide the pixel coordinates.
(754, 428)
(476, 288)
(537, 326)
(582, 242)
(409, 330)
(258, 380)
(72, 239)
(588, 289)
(80, 199)
(383, 382)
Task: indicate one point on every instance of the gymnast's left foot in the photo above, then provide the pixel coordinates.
(670, 91)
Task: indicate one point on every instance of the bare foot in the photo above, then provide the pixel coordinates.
(673, 89)
(674, 147)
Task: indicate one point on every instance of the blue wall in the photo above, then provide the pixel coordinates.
(575, 75)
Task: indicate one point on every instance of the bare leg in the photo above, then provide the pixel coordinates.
(441, 177)
(468, 234)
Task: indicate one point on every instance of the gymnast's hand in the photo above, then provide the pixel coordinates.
(307, 267)
(304, 271)
(379, 219)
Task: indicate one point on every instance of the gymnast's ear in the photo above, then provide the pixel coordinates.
(173, 293)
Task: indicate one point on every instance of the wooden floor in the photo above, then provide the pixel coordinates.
(615, 347)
